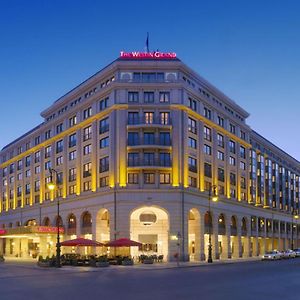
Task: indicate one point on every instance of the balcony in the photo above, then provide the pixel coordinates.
(149, 164)
(149, 122)
(149, 144)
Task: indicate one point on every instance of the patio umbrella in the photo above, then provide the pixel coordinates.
(123, 242)
(81, 242)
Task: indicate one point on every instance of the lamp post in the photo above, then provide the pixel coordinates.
(212, 196)
(294, 217)
(52, 185)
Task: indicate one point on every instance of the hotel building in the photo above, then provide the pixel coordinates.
(138, 148)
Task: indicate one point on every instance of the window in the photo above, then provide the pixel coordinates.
(231, 161)
(19, 191)
(104, 142)
(87, 149)
(243, 182)
(164, 178)
(149, 178)
(37, 170)
(27, 188)
(165, 159)
(232, 146)
(104, 126)
(72, 189)
(48, 134)
(232, 179)
(103, 104)
(87, 133)
(37, 140)
(149, 159)
(72, 174)
(148, 97)
(59, 160)
(47, 165)
(72, 155)
(11, 168)
(207, 170)
(133, 159)
(28, 145)
(221, 175)
(133, 138)
(243, 196)
(87, 168)
(242, 165)
(59, 146)
(232, 128)
(192, 125)
(207, 113)
(220, 155)
(19, 176)
(243, 135)
(164, 118)
(220, 139)
(207, 133)
(192, 162)
(87, 113)
(220, 121)
(59, 128)
(165, 138)
(72, 140)
(192, 143)
(133, 118)
(193, 104)
(104, 164)
(133, 178)
(242, 152)
(87, 185)
(149, 138)
(47, 151)
(164, 97)
(37, 156)
(133, 97)
(104, 181)
(207, 149)
(192, 181)
(72, 121)
(37, 185)
(232, 192)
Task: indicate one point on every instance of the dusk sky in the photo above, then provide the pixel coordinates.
(250, 50)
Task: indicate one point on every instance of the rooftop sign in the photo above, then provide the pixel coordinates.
(148, 55)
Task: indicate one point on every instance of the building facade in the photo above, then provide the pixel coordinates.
(137, 148)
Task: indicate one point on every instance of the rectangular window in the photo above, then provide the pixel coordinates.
(104, 164)
(72, 189)
(87, 113)
(72, 155)
(148, 97)
(220, 139)
(72, 140)
(103, 104)
(37, 156)
(165, 138)
(164, 159)
(207, 133)
(59, 160)
(133, 97)
(192, 181)
(87, 170)
(192, 143)
(207, 170)
(192, 162)
(72, 121)
(87, 185)
(104, 143)
(221, 175)
(221, 155)
(207, 149)
(133, 118)
(232, 128)
(192, 125)
(149, 159)
(133, 159)
(220, 121)
(207, 113)
(37, 170)
(104, 181)
(164, 97)
(164, 118)
(48, 134)
(164, 178)
(133, 178)
(72, 174)
(243, 182)
(242, 152)
(87, 149)
(232, 146)
(232, 179)
(149, 138)
(193, 104)
(48, 152)
(59, 146)
(242, 165)
(104, 125)
(231, 161)
(149, 178)
(87, 133)
(59, 128)
(133, 138)
(37, 140)
(243, 135)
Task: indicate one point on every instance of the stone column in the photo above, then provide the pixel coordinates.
(201, 237)
(214, 237)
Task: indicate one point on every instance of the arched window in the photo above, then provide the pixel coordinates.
(72, 221)
(58, 221)
(86, 223)
(46, 221)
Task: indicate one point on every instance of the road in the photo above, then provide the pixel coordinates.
(248, 280)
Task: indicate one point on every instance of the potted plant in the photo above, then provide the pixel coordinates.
(2, 259)
(127, 261)
(148, 260)
(102, 261)
(44, 262)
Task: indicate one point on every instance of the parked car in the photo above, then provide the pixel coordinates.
(297, 252)
(289, 254)
(271, 255)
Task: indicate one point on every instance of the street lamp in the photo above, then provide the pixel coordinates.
(52, 185)
(294, 217)
(212, 196)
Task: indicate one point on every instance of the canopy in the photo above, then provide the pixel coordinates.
(81, 242)
(123, 242)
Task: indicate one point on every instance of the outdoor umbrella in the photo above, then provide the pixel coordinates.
(123, 242)
(81, 242)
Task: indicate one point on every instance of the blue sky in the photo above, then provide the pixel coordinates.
(250, 50)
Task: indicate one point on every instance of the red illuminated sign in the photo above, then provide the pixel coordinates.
(46, 229)
(148, 55)
(2, 231)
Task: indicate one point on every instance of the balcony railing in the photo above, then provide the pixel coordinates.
(149, 121)
(142, 142)
(149, 163)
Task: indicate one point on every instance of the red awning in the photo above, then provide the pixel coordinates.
(81, 242)
(123, 243)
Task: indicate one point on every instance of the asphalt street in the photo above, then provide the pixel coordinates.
(249, 280)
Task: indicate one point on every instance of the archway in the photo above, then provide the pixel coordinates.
(194, 234)
(102, 225)
(46, 221)
(31, 222)
(150, 226)
(86, 223)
